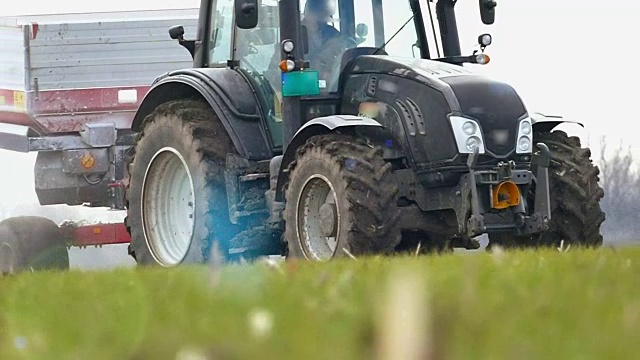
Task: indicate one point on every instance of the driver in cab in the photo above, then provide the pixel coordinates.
(317, 15)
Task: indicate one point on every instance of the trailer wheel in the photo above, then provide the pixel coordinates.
(575, 196)
(177, 203)
(32, 242)
(340, 200)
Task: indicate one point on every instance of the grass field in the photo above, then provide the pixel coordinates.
(526, 305)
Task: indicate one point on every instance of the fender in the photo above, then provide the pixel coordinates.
(546, 123)
(318, 126)
(229, 95)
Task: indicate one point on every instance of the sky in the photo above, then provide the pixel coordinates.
(563, 57)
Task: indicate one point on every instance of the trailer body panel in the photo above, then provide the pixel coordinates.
(69, 70)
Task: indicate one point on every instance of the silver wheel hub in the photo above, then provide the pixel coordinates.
(318, 219)
(329, 219)
(168, 207)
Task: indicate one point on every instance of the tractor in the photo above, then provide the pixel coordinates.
(324, 129)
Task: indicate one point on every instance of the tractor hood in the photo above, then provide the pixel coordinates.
(495, 105)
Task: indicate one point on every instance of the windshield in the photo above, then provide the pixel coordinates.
(335, 26)
(362, 23)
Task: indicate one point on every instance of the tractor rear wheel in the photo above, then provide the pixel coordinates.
(32, 242)
(176, 198)
(340, 200)
(575, 196)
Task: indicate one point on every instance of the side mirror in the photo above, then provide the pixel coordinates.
(246, 13)
(176, 32)
(488, 11)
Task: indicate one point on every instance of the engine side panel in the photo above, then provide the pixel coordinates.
(416, 114)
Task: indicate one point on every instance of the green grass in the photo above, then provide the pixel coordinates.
(526, 305)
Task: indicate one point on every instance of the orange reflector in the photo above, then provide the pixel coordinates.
(483, 59)
(97, 230)
(287, 65)
(506, 195)
(87, 161)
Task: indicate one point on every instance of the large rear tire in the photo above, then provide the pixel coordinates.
(176, 198)
(32, 243)
(575, 196)
(340, 200)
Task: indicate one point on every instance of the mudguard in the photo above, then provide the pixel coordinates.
(546, 123)
(318, 126)
(230, 96)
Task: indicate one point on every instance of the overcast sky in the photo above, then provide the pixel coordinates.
(564, 57)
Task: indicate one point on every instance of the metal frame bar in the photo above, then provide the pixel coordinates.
(98, 235)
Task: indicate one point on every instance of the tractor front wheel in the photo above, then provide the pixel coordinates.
(575, 196)
(340, 200)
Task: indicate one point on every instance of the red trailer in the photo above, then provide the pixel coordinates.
(70, 85)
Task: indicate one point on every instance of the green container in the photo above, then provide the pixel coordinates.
(300, 83)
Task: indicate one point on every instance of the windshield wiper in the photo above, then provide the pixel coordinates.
(394, 35)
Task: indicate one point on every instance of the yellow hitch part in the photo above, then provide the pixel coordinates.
(506, 195)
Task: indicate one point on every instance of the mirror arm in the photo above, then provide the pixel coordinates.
(190, 45)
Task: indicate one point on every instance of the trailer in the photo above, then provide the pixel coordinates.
(70, 85)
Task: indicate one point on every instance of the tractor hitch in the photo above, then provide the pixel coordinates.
(504, 182)
(476, 224)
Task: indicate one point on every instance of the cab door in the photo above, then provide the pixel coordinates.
(257, 56)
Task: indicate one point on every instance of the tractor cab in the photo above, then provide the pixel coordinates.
(294, 52)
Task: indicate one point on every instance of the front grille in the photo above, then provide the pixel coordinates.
(495, 105)
(499, 139)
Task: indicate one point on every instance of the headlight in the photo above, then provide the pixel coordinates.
(524, 144)
(485, 40)
(473, 142)
(525, 127)
(288, 46)
(469, 128)
(468, 135)
(525, 137)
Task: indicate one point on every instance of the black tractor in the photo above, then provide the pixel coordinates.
(318, 129)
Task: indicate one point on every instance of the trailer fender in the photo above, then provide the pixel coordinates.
(546, 123)
(229, 95)
(318, 126)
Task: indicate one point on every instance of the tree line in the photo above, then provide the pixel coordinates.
(620, 181)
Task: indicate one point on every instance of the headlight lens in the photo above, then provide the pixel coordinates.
(485, 39)
(524, 144)
(468, 135)
(288, 46)
(469, 128)
(473, 143)
(525, 137)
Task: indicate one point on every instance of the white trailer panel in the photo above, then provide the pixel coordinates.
(58, 72)
(99, 54)
(12, 69)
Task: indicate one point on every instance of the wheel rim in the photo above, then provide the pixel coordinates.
(317, 195)
(168, 207)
